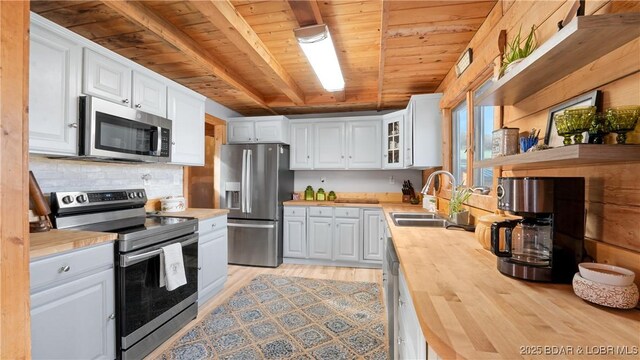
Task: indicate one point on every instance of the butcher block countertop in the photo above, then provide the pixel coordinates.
(59, 241)
(467, 309)
(196, 213)
(354, 204)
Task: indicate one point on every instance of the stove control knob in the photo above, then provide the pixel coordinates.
(67, 199)
(140, 194)
(132, 195)
(81, 199)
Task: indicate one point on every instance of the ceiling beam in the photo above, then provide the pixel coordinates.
(148, 20)
(306, 12)
(224, 16)
(384, 23)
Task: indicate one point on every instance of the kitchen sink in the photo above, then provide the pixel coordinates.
(421, 222)
(418, 220)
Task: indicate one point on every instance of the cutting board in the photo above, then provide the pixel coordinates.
(357, 201)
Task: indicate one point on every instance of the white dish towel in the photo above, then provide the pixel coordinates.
(172, 267)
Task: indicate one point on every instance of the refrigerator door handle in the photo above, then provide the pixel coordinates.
(243, 184)
(249, 185)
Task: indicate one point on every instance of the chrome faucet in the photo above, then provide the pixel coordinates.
(433, 174)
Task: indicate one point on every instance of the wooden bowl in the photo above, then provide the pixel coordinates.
(606, 274)
(619, 297)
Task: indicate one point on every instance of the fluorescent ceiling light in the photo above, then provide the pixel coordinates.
(316, 43)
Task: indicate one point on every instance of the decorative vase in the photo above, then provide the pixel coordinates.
(460, 218)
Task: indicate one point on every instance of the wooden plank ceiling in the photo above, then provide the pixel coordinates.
(243, 53)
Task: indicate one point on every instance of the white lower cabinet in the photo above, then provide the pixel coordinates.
(294, 237)
(212, 257)
(346, 239)
(73, 305)
(320, 237)
(373, 234)
(411, 342)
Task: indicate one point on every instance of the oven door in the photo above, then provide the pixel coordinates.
(143, 305)
(119, 132)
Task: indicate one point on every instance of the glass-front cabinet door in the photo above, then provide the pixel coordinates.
(393, 156)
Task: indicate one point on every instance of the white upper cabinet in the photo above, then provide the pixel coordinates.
(186, 111)
(240, 132)
(106, 78)
(301, 146)
(54, 86)
(364, 147)
(426, 131)
(392, 140)
(329, 145)
(258, 129)
(149, 94)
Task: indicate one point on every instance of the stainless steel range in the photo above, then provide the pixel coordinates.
(146, 313)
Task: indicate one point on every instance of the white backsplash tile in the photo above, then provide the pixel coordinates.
(69, 175)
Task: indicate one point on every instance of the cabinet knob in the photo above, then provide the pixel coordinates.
(308, 157)
(199, 267)
(401, 303)
(126, 101)
(342, 157)
(73, 125)
(400, 341)
(65, 268)
(112, 316)
(257, 139)
(173, 143)
(385, 155)
(138, 106)
(349, 156)
(213, 225)
(249, 139)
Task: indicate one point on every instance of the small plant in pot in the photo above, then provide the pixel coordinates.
(515, 51)
(457, 214)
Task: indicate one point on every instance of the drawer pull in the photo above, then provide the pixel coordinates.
(112, 316)
(65, 268)
(126, 101)
(138, 106)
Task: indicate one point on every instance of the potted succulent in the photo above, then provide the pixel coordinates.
(457, 214)
(516, 50)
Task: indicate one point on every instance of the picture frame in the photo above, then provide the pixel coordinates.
(593, 98)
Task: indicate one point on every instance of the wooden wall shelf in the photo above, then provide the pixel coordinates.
(572, 155)
(583, 40)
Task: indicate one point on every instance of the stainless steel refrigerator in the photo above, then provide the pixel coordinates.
(255, 180)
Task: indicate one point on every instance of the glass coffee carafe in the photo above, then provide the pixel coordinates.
(527, 242)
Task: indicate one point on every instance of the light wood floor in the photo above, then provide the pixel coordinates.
(240, 276)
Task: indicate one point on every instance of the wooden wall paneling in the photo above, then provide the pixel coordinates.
(14, 165)
(220, 138)
(447, 139)
(384, 21)
(608, 254)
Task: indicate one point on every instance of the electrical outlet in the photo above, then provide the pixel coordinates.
(392, 180)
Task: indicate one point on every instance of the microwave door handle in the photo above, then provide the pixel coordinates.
(249, 185)
(243, 184)
(158, 140)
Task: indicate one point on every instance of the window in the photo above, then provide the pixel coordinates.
(482, 130)
(459, 136)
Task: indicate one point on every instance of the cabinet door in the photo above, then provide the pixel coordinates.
(106, 78)
(187, 133)
(301, 146)
(373, 235)
(212, 264)
(269, 131)
(295, 237)
(329, 149)
(73, 320)
(54, 87)
(320, 237)
(427, 130)
(149, 94)
(407, 135)
(364, 149)
(393, 141)
(240, 132)
(347, 239)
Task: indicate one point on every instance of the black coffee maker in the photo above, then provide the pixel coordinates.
(547, 243)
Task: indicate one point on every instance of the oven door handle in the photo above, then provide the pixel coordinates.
(126, 260)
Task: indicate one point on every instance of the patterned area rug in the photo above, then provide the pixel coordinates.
(278, 317)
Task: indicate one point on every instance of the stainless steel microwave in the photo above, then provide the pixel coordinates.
(110, 131)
